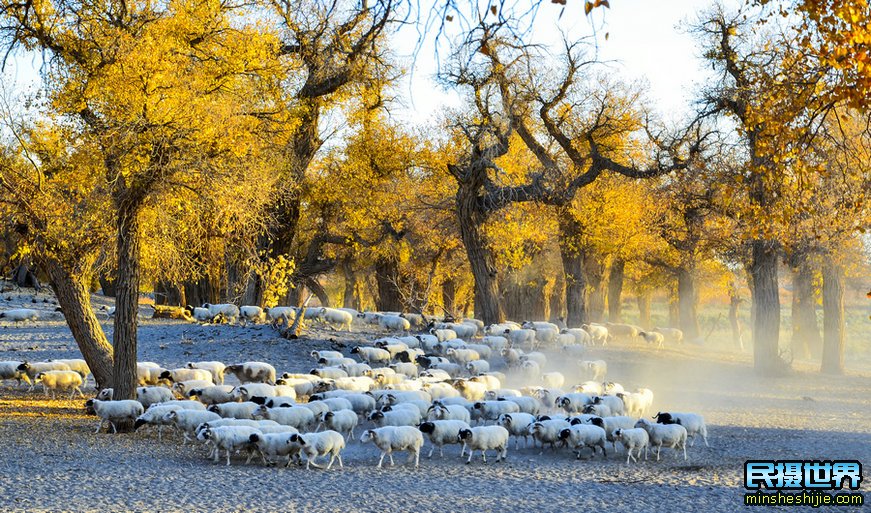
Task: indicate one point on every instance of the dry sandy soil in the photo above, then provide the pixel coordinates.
(53, 461)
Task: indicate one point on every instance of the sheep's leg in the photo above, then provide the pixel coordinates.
(658, 449)
(339, 456)
(684, 451)
(471, 452)
(99, 426)
(432, 450)
(484, 455)
(311, 461)
(228, 457)
(390, 455)
(380, 461)
(332, 459)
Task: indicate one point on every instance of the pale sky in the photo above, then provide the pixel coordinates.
(646, 42)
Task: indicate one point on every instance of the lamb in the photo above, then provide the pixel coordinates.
(60, 380)
(185, 374)
(10, 370)
(335, 317)
(478, 367)
(372, 354)
(519, 337)
(32, 369)
(187, 421)
(653, 337)
(398, 417)
(395, 438)
(393, 323)
(235, 410)
(252, 372)
(229, 438)
(313, 445)
(215, 394)
(635, 438)
(251, 313)
(443, 334)
(443, 432)
(547, 431)
(526, 404)
(491, 410)
(146, 374)
(693, 422)
(598, 368)
(281, 313)
(300, 418)
(614, 403)
(152, 395)
(483, 438)
(251, 390)
(673, 335)
(441, 411)
(598, 333)
(77, 365)
(226, 310)
(553, 379)
(20, 315)
(215, 368)
(584, 435)
(609, 424)
(668, 435)
(517, 425)
(340, 421)
(115, 411)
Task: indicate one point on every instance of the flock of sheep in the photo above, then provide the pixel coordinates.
(441, 384)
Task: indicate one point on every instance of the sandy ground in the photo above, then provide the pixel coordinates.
(54, 462)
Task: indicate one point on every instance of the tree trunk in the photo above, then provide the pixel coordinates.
(615, 289)
(737, 332)
(351, 296)
(687, 299)
(449, 296)
(594, 270)
(643, 300)
(387, 277)
(525, 300)
(124, 338)
(805, 331)
(73, 297)
(766, 307)
(833, 318)
(481, 260)
(167, 293)
(319, 292)
(573, 269)
(558, 302)
(107, 283)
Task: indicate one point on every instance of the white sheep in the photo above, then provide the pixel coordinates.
(235, 410)
(495, 342)
(553, 379)
(491, 410)
(284, 314)
(397, 417)
(517, 425)
(410, 370)
(693, 422)
(229, 438)
(10, 370)
(372, 354)
(152, 395)
(462, 356)
(341, 421)
(635, 438)
(77, 365)
(252, 372)
(653, 337)
(441, 411)
(395, 438)
(60, 380)
(478, 367)
(34, 368)
(227, 310)
(187, 421)
(148, 374)
(20, 315)
(484, 438)
(592, 388)
(582, 338)
(520, 337)
(579, 436)
(250, 390)
(335, 317)
(471, 390)
(672, 335)
(215, 368)
(185, 374)
(598, 333)
(547, 431)
(115, 411)
(156, 416)
(443, 432)
(614, 404)
(668, 435)
(610, 424)
(313, 445)
(526, 404)
(299, 417)
(598, 368)
(251, 313)
(215, 394)
(637, 403)
(182, 388)
(393, 323)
